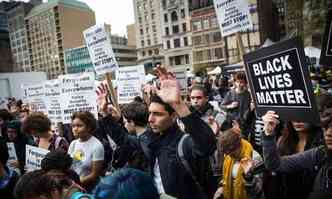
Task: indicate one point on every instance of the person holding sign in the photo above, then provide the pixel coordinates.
(39, 125)
(20, 140)
(87, 151)
(317, 158)
(8, 177)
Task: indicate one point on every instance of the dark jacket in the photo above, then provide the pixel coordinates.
(8, 183)
(310, 160)
(201, 143)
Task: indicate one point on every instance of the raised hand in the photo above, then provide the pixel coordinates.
(270, 120)
(102, 98)
(169, 90)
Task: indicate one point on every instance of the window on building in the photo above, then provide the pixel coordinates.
(184, 27)
(218, 53)
(206, 38)
(174, 16)
(147, 30)
(149, 42)
(185, 41)
(199, 56)
(197, 40)
(183, 14)
(150, 52)
(154, 29)
(139, 19)
(177, 60)
(197, 26)
(217, 37)
(143, 53)
(141, 31)
(142, 43)
(167, 31)
(166, 18)
(156, 51)
(177, 43)
(152, 16)
(175, 29)
(168, 44)
(186, 58)
(206, 23)
(214, 22)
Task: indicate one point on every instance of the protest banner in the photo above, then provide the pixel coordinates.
(279, 81)
(233, 16)
(52, 100)
(130, 80)
(77, 94)
(100, 49)
(11, 151)
(326, 54)
(34, 95)
(33, 157)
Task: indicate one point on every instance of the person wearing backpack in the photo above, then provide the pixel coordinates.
(164, 135)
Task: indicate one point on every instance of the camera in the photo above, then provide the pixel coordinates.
(257, 169)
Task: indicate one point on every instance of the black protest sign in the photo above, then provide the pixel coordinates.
(326, 54)
(279, 81)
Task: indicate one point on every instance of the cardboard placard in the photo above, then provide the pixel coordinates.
(35, 96)
(52, 100)
(326, 54)
(279, 81)
(233, 16)
(100, 49)
(78, 94)
(34, 156)
(130, 80)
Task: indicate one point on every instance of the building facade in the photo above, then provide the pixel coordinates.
(148, 33)
(6, 62)
(131, 34)
(78, 59)
(53, 27)
(18, 35)
(209, 48)
(176, 34)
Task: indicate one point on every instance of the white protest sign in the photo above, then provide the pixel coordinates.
(182, 79)
(129, 83)
(11, 151)
(52, 100)
(34, 156)
(233, 16)
(78, 94)
(100, 49)
(35, 95)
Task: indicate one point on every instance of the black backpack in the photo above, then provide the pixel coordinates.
(201, 172)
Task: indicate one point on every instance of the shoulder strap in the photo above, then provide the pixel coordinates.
(183, 160)
(57, 142)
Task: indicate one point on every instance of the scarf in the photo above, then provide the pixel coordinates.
(237, 191)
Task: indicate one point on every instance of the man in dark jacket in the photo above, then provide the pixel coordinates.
(164, 135)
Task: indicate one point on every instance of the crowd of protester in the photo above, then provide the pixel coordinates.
(207, 144)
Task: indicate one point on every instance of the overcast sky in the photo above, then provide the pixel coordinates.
(118, 13)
